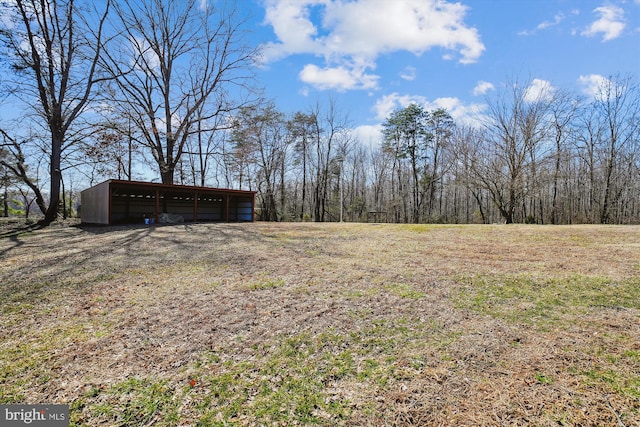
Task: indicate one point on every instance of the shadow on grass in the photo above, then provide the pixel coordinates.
(65, 259)
(14, 233)
(76, 257)
(21, 229)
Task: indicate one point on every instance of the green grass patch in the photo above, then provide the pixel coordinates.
(291, 380)
(135, 401)
(16, 308)
(623, 384)
(614, 368)
(404, 290)
(632, 355)
(543, 378)
(538, 300)
(29, 360)
(285, 386)
(266, 283)
(417, 228)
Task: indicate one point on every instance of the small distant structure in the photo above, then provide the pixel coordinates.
(376, 216)
(135, 202)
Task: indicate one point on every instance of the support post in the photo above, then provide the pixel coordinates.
(157, 213)
(195, 207)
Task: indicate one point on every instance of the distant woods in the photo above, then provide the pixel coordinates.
(164, 90)
(541, 158)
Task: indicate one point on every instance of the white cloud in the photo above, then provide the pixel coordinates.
(352, 34)
(539, 90)
(468, 114)
(463, 114)
(292, 25)
(611, 23)
(387, 104)
(368, 135)
(409, 73)
(340, 78)
(558, 18)
(6, 9)
(141, 51)
(371, 27)
(482, 88)
(592, 84)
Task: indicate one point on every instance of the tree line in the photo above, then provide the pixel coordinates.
(540, 157)
(126, 88)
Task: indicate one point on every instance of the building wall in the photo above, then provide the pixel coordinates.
(127, 202)
(94, 204)
(240, 209)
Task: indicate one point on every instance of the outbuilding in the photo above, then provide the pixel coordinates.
(130, 202)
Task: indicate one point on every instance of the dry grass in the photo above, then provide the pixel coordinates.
(324, 324)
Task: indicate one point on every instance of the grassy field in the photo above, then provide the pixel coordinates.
(324, 324)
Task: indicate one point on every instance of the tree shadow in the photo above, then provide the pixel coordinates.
(25, 228)
(14, 233)
(79, 257)
(69, 258)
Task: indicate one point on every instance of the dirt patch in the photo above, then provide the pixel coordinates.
(328, 324)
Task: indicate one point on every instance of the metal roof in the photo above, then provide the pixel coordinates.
(175, 187)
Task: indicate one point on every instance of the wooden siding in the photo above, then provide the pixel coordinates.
(129, 202)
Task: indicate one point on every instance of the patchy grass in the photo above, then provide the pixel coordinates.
(530, 299)
(265, 282)
(324, 324)
(133, 401)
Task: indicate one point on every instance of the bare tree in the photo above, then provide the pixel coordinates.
(205, 146)
(7, 180)
(111, 150)
(260, 132)
(617, 104)
(172, 59)
(515, 128)
(587, 145)
(379, 160)
(468, 142)
(315, 136)
(331, 137)
(13, 159)
(563, 110)
(301, 131)
(54, 48)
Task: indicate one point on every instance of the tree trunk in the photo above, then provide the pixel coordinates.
(304, 176)
(5, 202)
(167, 175)
(556, 176)
(282, 191)
(604, 213)
(56, 177)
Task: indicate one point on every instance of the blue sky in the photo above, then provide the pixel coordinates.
(374, 56)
